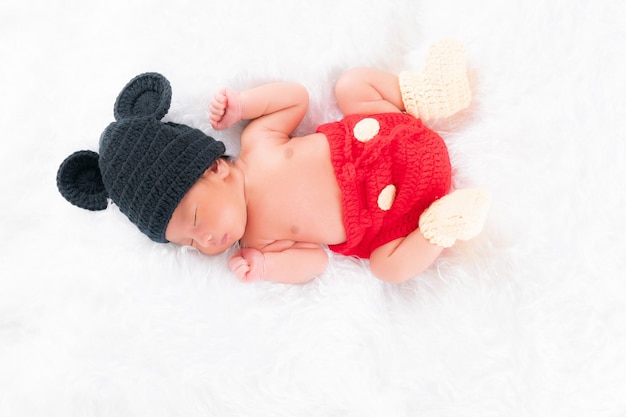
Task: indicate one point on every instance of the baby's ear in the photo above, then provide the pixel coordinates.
(221, 167)
(148, 94)
(79, 180)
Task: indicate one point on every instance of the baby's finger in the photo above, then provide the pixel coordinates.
(239, 268)
(217, 108)
(216, 103)
(241, 272)
(215, 117)
(235, 260)
(220, 99)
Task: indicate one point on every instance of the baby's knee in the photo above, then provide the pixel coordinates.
(349, 80)
(384, 268)
(380, 271)
(404, 258)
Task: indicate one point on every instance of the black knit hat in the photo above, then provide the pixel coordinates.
(145, 166)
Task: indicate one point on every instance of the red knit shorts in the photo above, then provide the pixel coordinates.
(390, 168)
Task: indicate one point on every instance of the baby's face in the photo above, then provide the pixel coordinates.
(211, 217)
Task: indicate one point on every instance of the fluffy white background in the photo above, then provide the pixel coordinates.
(529, 319)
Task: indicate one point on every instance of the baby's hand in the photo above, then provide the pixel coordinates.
(225, 109)
(248, 265)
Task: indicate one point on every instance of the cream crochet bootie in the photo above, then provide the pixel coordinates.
(458, 215)
(442, 88)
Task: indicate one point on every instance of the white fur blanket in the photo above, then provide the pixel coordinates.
(528, 319)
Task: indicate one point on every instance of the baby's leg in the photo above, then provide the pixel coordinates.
(458, 215)
(442, 88)
(368, 91)
(403, 258)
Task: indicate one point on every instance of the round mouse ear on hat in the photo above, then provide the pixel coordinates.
(147, 94)
(79, 180)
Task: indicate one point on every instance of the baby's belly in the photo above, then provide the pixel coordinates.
(307, 204)
(324, 225)
(312, 211)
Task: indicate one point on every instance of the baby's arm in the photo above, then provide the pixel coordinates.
(273, 108)
(287, 263)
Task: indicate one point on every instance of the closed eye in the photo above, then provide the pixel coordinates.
(195, 218)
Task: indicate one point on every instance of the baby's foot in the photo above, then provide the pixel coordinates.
(459, 215)
(442, 88)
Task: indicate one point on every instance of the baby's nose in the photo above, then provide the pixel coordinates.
(205, 240)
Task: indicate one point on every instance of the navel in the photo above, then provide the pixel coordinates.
(288, 153)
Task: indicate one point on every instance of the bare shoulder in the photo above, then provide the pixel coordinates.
(255, 139)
